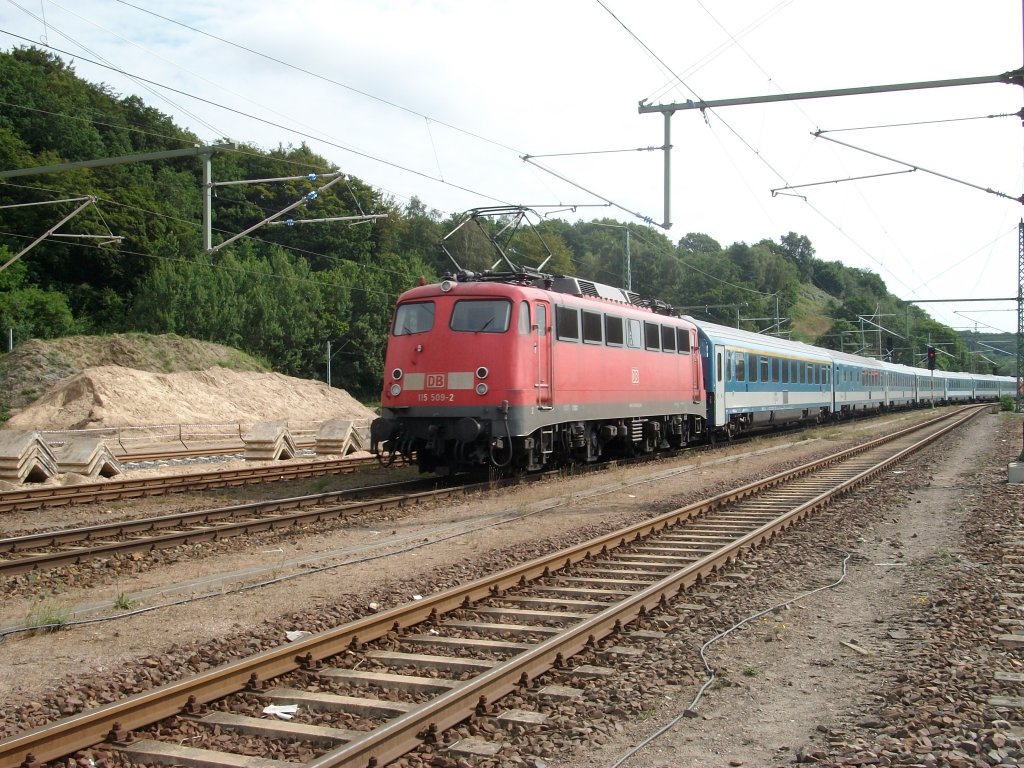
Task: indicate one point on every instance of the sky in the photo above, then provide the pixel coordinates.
(442, 99)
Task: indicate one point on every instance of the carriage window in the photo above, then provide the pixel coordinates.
(567, 323)
(414, 318)
(668, 338)
(613, 333)
(524, 318)
(741, 366)
(785, 371)
(683, 340)
(633, 334)
(592, 327)
(481, 315)
(764, 369)
(776, 377)
(652, 336)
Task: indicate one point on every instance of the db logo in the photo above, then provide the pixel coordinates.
(636, 375)
(435, 381)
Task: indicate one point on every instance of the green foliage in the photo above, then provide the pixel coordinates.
(29, 310)
(283, 292)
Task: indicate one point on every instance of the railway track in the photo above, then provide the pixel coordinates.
(72, 546)
(24, 499)
(389, 683)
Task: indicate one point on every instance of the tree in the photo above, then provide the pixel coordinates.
(798, 249)
(29, 311)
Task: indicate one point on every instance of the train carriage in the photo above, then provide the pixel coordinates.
(900, 385)
(957, 387)
(755, 380)
(860, 384)
(930, 387)
(988, 387)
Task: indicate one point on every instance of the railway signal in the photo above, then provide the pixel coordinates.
(931, 358)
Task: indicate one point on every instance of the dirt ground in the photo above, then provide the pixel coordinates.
(803, 678)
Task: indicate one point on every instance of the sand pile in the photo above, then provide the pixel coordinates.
(113, 396)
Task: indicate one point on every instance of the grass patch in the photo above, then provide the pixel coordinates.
(48, 616)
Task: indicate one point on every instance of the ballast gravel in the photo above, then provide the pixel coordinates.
(892, 666)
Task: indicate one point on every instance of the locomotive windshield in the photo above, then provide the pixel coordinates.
(482, 315)
(414, 318)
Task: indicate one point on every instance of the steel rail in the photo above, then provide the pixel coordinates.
(25, 499)
(398, 736)
(275, 516)
(406, 732)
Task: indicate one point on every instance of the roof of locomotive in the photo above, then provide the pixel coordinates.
(505, 284)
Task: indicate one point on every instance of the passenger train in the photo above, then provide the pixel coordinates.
(522, 371)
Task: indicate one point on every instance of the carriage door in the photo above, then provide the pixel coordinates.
(542, 351)
(719, 385)
(697, 374)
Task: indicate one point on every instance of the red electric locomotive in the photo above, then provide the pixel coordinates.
(523, 371)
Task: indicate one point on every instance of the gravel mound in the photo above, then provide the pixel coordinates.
(115, 396)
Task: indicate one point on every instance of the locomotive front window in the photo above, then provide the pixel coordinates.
(524, 318)
(481, 316)
(414, 318)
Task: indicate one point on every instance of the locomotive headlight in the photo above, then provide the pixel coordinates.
(482, 372)
(395, 390)
(446, 285)
(481, 388)
(397, 374)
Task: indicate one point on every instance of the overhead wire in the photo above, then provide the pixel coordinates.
(649, 51)
(680, 80)
(318, 76)
(427, 118)
(183, 69)
(374, 158)
(220, 267)
(760, 156)
(139, 81)
(303, 251)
